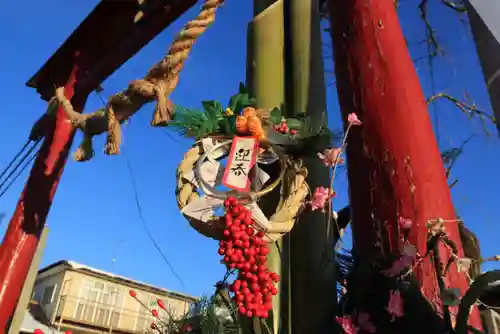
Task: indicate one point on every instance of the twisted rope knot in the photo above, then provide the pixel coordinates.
(157, 85)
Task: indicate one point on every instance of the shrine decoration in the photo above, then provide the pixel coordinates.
(226, 171)
(251, 141)
(248, 139)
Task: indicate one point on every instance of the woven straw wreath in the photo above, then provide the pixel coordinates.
(293, 192)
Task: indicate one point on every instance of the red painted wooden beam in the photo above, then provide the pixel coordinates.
(395, 166)
(21, 239)
(110, 35)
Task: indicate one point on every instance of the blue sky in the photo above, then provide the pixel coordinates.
(94, 218)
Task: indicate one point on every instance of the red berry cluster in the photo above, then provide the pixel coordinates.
(246, 250)
(283, 128)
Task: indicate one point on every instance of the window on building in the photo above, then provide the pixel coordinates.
(99, 304)
(48, 295)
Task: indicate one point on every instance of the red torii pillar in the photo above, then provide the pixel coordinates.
(394, 165)
(112, 33)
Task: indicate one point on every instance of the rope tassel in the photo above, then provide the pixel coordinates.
(114, 137)
(85, 152)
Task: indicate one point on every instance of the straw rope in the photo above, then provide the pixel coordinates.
(294, 190)
(157, 85)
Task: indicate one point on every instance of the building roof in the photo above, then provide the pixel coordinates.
(30, 324)
(74, 266)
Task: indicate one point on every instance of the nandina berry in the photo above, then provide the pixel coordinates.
(275, 277)
(245, 249)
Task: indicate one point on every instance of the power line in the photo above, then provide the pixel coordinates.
(25, 161)
(144, 225)
(139, 207)
(28, 162)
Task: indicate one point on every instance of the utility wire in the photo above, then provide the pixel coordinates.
(25, 161)
(20, 172)
(145, 226)
(138, 204)
(15, 158)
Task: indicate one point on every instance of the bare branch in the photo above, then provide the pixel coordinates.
(453, 5)
(467, 107)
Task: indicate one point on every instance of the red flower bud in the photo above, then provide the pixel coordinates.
(161, 304)
(132, 293)
(154, 313)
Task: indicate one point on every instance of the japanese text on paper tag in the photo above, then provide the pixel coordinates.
(241, 160)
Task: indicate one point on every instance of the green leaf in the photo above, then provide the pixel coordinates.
(225, 125)
(243, 89)
(233, 102)
(242, 103)
(293, 123)
(232, 124)
(275, 116)
(213, 109)
(451, 297)
(202, 131)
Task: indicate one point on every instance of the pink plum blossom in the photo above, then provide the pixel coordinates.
(395, 304)
(353, 119)
(331, 156)
(319, 198)
(410, 250)
(406, 259)
(347, 324)
(404, 223)
(365, 323)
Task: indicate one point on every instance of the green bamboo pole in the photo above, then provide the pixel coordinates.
(265, 79)
(313, 298)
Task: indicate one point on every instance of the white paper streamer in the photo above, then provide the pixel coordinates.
(203, 208)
